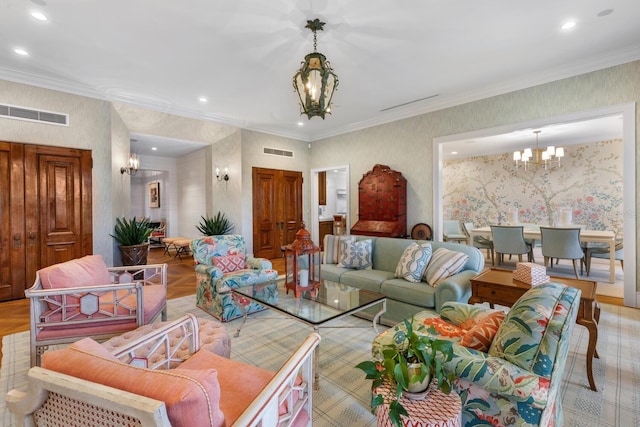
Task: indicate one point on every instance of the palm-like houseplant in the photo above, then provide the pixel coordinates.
(215, 226)
(411, 359)
(133, 237)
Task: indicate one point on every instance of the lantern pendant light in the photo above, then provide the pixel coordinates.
(315, 81)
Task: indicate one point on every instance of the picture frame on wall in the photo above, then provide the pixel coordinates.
(154, 194)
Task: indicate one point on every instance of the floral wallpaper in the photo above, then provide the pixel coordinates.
(484, 189)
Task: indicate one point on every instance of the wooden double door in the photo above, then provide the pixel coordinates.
(45, 211)
(277, 210)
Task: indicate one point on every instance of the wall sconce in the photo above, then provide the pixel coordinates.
(132, 165)
(224, 177)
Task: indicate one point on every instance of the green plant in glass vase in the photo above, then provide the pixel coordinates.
(409, 364)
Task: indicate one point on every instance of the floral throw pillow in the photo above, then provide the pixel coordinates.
(444, 263)
(445, 330)
(413, 262)
(229, 263)
(356, 254)
(479, 336)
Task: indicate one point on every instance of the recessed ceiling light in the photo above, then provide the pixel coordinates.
(154, 148)
(300, 124)
(39, 15)
(569, 25)
(203, 99)
(454, 153)
(21, 51)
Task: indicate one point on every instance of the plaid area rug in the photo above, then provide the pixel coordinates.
(267, 339)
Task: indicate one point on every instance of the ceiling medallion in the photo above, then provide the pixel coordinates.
(315, 81)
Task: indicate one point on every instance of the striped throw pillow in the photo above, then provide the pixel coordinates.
(444, 263)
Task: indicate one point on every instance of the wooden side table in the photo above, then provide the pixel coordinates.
(496, 286)
(436, 410)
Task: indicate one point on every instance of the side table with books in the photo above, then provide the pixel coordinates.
(496, 286)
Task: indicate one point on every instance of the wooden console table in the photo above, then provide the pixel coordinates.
(496, 286)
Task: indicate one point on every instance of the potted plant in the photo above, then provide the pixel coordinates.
(215, 226)
(133, 237)
(409, 364)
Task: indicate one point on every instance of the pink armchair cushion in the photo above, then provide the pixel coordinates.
(240, 384)
(192, 396)
(86, 271)
(229, 263)
(155, 297)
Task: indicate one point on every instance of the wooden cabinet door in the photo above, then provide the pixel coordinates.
(12, 218)
(277, 210)
(322, 188)
(58, 223)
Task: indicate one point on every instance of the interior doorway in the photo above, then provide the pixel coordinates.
(628, 112)
(336, 198)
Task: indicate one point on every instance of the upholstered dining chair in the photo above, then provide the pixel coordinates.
(602, 251)
(452, 231)
(562, 243)
(509, 239)
(479, 242)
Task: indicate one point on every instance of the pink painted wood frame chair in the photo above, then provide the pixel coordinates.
(83, 298)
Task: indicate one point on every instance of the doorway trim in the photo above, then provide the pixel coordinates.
(315, 218)
(628, 111)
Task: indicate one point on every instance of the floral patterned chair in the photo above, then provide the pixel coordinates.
(512, 378)
(222, 264)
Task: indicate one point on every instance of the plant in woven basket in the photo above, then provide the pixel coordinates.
(133, 237)
(411, 362)
(215, 226)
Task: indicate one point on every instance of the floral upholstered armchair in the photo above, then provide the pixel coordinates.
(507, 368)
(222, 264)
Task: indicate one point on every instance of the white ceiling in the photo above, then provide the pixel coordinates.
(242, 55)
(556, 134)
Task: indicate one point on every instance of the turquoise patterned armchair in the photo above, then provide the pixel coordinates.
(517, 382)
(222, 264)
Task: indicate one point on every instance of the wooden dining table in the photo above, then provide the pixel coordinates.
(586, 236)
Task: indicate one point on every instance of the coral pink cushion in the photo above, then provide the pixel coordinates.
(86, 271)
(480, 335)
(240, 384)
(155, 299)
(229, 263)
(192, 397)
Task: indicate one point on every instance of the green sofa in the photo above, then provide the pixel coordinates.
(405, 298)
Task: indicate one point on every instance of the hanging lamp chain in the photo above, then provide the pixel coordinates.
(314, 26)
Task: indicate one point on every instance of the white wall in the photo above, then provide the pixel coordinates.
(192, 190)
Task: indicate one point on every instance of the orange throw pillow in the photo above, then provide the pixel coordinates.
(479, 337)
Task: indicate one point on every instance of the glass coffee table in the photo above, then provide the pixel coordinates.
(316, 308)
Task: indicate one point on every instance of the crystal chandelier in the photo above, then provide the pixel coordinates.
(315, 81)
(546, 158)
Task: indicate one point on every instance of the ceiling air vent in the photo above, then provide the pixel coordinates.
(28, 114)
(277, 152)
